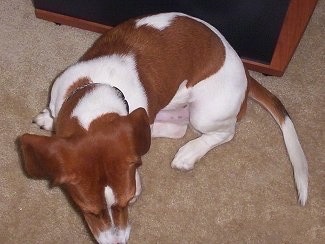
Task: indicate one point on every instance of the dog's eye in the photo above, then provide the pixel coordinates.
(98, 214)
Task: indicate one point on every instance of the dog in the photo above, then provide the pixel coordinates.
(148, 77)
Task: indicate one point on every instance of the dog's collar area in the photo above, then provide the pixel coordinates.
(118, 91)
(78, 89)
(121, 95)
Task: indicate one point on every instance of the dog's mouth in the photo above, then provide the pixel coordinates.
(106, 230)
(114, 236)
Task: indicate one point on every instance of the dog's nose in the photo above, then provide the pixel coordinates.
(114, 236)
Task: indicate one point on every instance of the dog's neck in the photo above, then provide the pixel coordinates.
(118, 92)
(121, 95)
(114, 71)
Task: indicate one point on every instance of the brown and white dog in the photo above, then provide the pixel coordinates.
(147, 77)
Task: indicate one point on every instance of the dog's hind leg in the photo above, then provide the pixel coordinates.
(214, 105)
(192, 151)
(215, 118)
(44, 120)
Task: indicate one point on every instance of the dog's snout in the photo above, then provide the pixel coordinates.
(114, 236)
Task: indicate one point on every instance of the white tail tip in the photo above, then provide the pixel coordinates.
(298, 159)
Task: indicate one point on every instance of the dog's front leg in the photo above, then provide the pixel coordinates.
(44, 120)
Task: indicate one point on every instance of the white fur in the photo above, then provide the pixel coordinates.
(44, 120)
(138, 187)
(298, 159)
(181, 98)
(214, 105)
(109, 196)
(114, 236)
(194, 150)
(110, 201)
(158, 21)
(113, 70)
(101, 100)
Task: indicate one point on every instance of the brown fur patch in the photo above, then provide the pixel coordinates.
(269, 101)
(65, 125)
(79, 83)
(186, 50)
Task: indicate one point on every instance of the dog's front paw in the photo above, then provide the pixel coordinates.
(44, 120)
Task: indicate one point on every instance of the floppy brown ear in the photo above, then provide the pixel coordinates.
(141, 130)
(42, 156)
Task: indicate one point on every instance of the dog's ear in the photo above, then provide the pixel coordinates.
(43, 157)
(141, 130)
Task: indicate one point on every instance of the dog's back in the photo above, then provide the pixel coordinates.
(166, 54)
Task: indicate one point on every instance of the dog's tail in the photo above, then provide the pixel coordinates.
(298, 160)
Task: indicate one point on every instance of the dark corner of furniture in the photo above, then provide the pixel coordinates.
(264, 33)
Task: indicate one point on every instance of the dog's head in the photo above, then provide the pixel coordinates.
(97, 168)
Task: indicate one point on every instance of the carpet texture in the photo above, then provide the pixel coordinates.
(240, 192)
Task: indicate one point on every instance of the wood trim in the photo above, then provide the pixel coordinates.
(71, 21)
(294, 25)
(267, 69)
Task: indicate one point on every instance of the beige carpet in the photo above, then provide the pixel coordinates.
(241, 192)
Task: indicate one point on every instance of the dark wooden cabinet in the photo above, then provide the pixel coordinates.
(264, 33)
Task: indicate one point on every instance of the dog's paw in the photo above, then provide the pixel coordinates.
(44, 120)
(184, 160)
